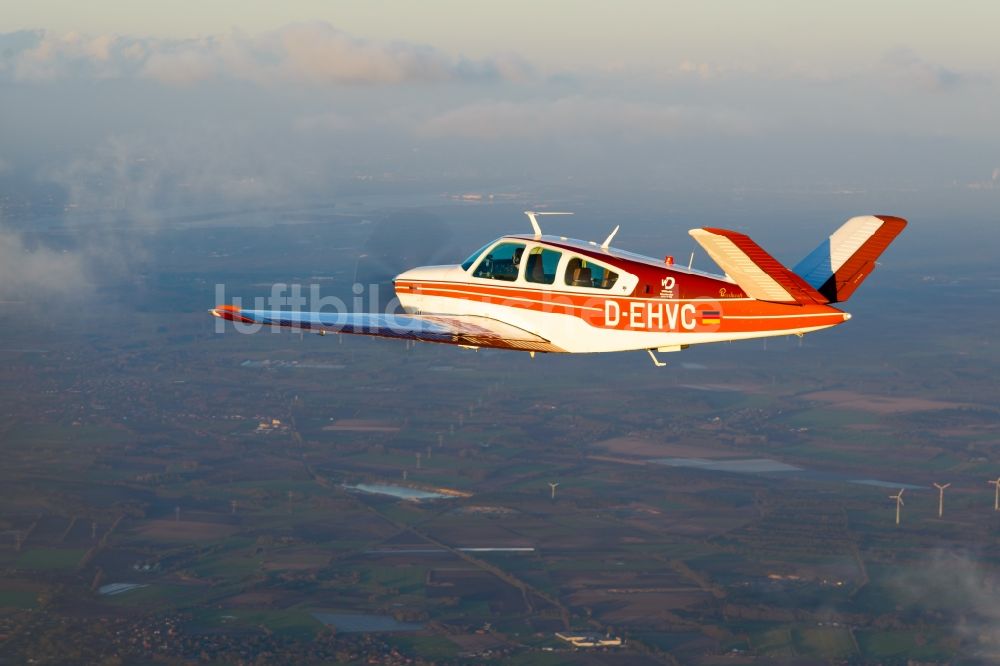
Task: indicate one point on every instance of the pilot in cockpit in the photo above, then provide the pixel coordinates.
(517, 258)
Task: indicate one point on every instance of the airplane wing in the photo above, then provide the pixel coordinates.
(465, 330)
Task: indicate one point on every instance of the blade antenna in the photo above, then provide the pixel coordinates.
(607, 241)
(534, 221)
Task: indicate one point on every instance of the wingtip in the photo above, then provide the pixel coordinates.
(230, 312)
(897, 222)
(222, 310)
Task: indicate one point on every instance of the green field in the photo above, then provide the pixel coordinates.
(50, 558)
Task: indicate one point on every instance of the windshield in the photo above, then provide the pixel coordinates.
(467, 264)
(502, 263)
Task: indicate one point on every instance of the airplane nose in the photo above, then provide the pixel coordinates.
(425, 273)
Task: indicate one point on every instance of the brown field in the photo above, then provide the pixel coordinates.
(620, 581)
(299, 558)
(637, 446)
(701, 524)
(734, 388)
(637, 607)
(481, 535)
(362, 425)
(966, 431)
(184, 530)
(878, 404)
(254, 599)
(477, 642)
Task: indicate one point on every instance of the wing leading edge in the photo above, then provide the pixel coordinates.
(466, 330)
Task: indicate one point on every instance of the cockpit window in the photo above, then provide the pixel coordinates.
(502, 263)
(467, 264)
(583, 273)
(541, 265)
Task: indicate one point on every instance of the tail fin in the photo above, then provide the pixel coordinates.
(841, 263)
(757, 273)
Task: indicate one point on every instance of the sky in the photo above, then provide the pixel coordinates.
(138, 108)
(758, 94)
(566, 33)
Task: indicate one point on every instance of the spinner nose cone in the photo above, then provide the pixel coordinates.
(847, 315)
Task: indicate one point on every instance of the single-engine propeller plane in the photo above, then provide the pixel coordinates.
(542, 293)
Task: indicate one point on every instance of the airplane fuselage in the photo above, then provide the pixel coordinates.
(622, 302)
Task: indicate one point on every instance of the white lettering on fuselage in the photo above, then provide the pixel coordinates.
(612, 313)
(635, 310)
(651, 316)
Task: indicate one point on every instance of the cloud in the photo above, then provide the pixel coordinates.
(36, 55)
(143, 175)
(914, 70)
(318, 53)
(181, 66)
(576, 116)
(27, 272)
(703, 70)
(138, 182)
(313, 53)
(954, 585)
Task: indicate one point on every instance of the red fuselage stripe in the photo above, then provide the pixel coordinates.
(737, 315)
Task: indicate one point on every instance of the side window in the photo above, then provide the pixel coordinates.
(541, 265)
(501, 263)
(583, 273)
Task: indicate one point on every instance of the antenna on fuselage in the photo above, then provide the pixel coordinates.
(534, 221)
(607, 241)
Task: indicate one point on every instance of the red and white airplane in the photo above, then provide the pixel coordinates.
(540, 293)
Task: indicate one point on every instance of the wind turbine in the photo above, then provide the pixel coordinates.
(899, 502)
(941, 497)
(553, 486)
(996, 500)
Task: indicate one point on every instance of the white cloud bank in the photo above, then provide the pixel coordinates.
(907, 66)
(27, 272)
(312, 53)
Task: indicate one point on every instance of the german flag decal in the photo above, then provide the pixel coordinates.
(711, 317)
